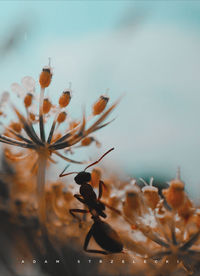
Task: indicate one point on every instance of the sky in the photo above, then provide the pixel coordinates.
(147, 51)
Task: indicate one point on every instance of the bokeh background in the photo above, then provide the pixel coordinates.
(149, 50)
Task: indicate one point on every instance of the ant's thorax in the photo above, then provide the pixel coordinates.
(87, 192)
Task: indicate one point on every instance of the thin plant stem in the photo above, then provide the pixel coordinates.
(41, 189)
(41, 119)
(52, 128)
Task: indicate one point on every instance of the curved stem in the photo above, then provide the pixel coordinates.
(41, 189)
(41, 119)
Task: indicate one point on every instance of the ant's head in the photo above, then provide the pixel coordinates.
(83, 176)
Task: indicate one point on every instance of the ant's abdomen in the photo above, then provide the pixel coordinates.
(107, 237)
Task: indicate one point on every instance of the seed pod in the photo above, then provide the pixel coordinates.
(95, 177)
(46, 106)
(151, 196)
(175, 195)
(165, 218)
(61, 117)
(16, 127)
(87, 141)
(64, 99)
(187, 210)
(100, 105)
(28, 100)
(45, 77)
(32, 116)
(133, 200)
(56, 136)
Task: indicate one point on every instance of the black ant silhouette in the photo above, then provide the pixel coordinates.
(105, 236)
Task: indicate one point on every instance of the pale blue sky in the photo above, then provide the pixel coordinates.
(148, 49)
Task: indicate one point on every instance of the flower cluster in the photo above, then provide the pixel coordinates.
(41, 148)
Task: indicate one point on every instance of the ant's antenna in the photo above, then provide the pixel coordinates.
(99, 159)
(62, 173)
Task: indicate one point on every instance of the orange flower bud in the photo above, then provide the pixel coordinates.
(73, 124)
(61, 117)
(16, 126)
(32, 116)
(28, 100)
(100, 105)
(133, 200)
(87, 141)
(187, 210)
(56, 137)
(151, 196)
(64, 99)
(46, 106)
(175, 195)
(45, 77)
(95, 177)
(114, 202)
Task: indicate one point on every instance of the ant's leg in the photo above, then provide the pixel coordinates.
(100, 189)
(101, 185)
(72, 211)
(79, 197)
(87, 239)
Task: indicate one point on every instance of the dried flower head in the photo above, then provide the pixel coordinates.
(45, 146)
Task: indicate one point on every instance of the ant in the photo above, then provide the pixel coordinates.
(105, 236)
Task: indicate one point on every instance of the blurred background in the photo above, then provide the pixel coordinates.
(149, 50)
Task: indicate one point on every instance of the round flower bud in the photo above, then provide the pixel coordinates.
(95, 177)
(100, 105)
(64, 99)
(45, 77)
(175, 195)
(61, 117)
(16, 127)
(46, 106)
(28, 100)
(151, 196)
(87, 141)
